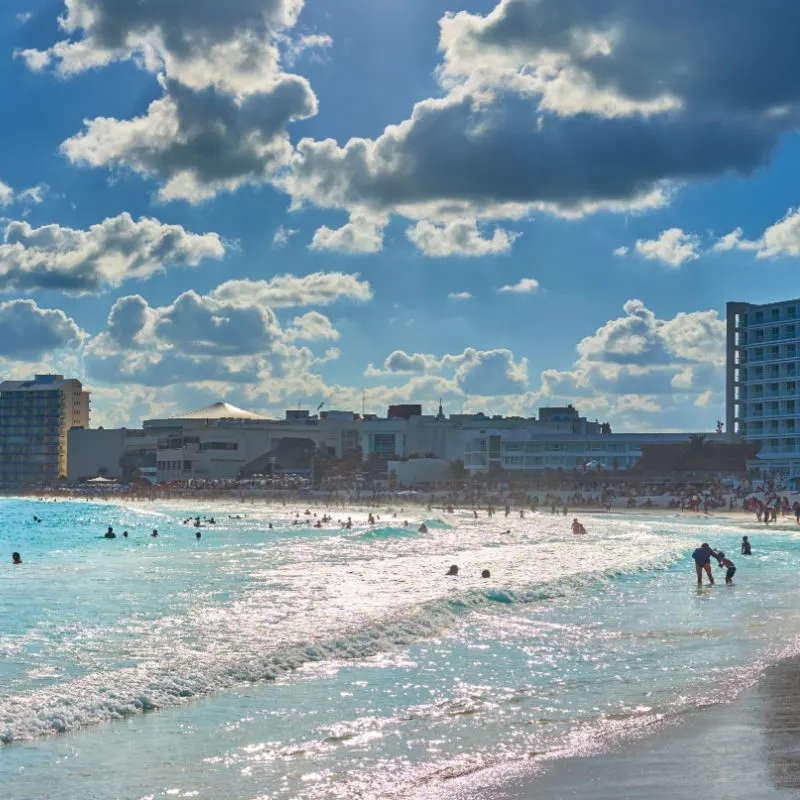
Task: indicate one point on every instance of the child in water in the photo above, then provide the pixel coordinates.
(730, 568)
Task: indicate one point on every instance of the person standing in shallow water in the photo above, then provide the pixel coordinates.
(16, 558)
(702, 561)
(746, 549)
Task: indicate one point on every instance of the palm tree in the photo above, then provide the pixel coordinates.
(697, 442)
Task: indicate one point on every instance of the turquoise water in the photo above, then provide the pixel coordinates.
(295, 662)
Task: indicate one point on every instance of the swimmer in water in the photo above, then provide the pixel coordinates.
(577, 528)
(422, 528)
(453, 569)
(124, 534)
(154, 533)
(197, 534)
(486, 574)
(16, 558)
(110, 533)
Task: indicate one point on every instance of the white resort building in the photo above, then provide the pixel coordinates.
(35, 417)
(763, 382)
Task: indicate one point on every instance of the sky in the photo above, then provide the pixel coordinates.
(504, 204)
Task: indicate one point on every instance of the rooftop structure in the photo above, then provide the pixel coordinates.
(219, 411)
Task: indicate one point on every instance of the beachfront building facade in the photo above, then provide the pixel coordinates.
(219, 442)
(559, 439)
(222, 442)
(123, 454)
(35, 418)
(763, 382)
(536, 451)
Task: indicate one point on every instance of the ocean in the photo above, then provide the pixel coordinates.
(303, 663)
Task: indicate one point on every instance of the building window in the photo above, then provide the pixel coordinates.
(221, 445)
(187, 466)
(384, 444)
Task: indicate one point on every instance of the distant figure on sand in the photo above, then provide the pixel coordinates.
(729, 566)
(16, 558)
(746, 550)
(577, 528)
(453, 569)
(702, 561)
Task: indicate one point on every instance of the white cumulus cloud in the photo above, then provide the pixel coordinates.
(780, 239)
(523, 286)
(458, 238)
(362, 234)
(674, 247)
(286, 291)
(30, 332)
(107, 254)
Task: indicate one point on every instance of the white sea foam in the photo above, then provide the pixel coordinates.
(329, 625)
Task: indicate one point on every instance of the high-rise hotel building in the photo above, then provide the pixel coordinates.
(763, 381)
(35, 416)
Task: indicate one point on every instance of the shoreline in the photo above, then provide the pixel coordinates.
(225, 502)
(742, 749)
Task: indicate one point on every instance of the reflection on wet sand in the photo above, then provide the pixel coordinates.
(748, 749)
(780, 690)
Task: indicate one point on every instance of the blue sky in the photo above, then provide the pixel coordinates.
(503, 203)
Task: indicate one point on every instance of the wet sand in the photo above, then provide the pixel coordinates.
(745, 750)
